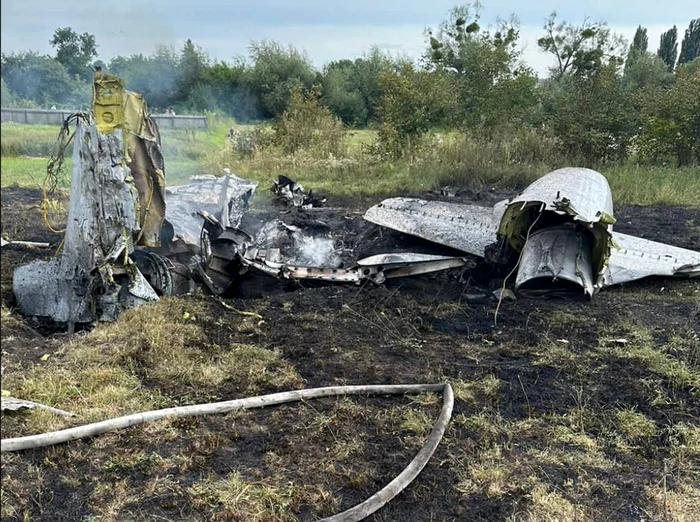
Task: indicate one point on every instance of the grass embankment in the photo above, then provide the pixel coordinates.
(359, 173)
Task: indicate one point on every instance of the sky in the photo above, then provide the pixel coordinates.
(326, 29)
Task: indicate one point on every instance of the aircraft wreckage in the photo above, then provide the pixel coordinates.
(130, 240)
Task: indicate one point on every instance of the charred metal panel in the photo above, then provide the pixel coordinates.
(94, 277)
(226, 198)
(556, 261)
(468, 228)
(634, 258)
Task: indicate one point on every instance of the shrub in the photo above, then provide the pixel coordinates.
(307, 125)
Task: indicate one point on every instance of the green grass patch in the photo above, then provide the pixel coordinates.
(647, 185)
(26, 171)
(449, 159)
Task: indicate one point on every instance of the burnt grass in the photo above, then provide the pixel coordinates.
(554, 361)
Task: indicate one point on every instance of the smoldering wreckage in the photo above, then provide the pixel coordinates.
(130, 240)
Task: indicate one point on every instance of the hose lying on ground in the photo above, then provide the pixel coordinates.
(356, 513)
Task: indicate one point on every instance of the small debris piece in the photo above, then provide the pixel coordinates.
(12, 404)
(30, 244)
(504, 293)
(292, 194)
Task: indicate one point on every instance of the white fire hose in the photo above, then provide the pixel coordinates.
(356, 513)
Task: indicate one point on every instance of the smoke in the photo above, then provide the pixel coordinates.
(315, 251)
(298, 247)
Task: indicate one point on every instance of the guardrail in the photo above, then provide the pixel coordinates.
(56, 117)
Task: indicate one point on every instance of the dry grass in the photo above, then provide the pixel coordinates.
(99, 375)
(508, 161)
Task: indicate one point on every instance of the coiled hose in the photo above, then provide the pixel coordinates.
(354, 514)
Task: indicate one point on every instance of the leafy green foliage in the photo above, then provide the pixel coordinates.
(671, 119)
(690, 47)
(277, 71)
(491, 81)
(42, 79)
(352, 88)
(308, 125)
(591, 116)
(646, 70)
(580, 49)
(227, 88)
(668, 47)
(193, 61)
(638, 47)
(156, 77)
(640, 42)
(472, 78)
(74, 51)
(414, 101)
(342, 95)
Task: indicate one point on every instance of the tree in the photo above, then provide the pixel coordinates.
(74, 51)
(646, 70)
(156, 77)
(638, 49)
(668, 47)
(193, 61)
(367, 78)
(275, 73)
(591, 116)
(580, 49)
(352, 88)
(640, 42)
(413, 102)
(42, 79)
(8, 98)
(690, 47)
(308, 125)
(671, 119)
(341, 94)
(485, 65)
(228, 90)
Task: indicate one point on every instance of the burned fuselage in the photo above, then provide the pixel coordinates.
(560, 228)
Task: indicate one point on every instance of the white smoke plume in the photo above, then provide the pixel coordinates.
(297, 247)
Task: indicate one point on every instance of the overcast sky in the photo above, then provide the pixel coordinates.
(327, 30)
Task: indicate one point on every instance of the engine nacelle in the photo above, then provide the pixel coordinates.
(562, 226)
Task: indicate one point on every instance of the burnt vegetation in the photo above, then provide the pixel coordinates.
(563, 410)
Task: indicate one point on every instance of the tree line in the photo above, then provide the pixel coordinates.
(602, 99)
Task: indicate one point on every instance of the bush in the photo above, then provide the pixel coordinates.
(414, 102)
(247, 143)
(308, 125)
(671, 120)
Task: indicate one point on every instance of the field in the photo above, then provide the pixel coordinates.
(564, 411)
(359, 176)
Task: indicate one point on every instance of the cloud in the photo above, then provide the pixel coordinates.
(328, 30)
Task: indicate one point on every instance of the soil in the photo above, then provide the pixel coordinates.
(412, 330)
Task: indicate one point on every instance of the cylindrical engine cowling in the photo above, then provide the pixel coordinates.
(556, 262)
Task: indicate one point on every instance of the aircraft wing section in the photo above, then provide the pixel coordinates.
(636, 258)
(468, 228)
